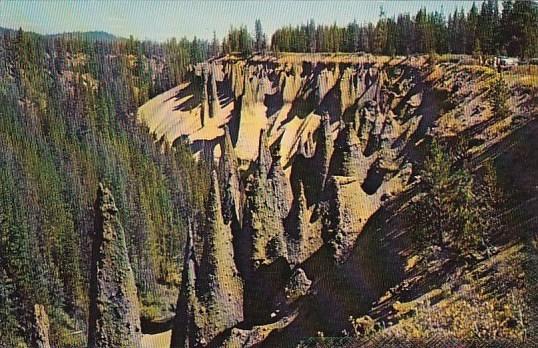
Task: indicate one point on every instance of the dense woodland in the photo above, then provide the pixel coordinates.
(67, 121)
(489, 27)
(486, 29)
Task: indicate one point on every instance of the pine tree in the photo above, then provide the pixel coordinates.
(215, 46)
(498, 96)
(260, 43)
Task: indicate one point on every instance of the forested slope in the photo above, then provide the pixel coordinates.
(67, 122)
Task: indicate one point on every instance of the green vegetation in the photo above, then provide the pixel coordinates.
(498, 96)
(67, 121)
(458, 208)
(512, 31)
(239, 40)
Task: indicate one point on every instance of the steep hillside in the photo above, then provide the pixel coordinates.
(321, 162)
(67, 123)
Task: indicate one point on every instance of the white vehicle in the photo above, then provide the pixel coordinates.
(508, 62)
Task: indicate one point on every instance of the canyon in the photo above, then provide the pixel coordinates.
(306, 152)
(310, 155)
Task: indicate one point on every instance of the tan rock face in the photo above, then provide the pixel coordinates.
(114, 310)
(211, 297)
(186, 331)
(303, 238)
(221, 287)
(316, 150)
(346, 159)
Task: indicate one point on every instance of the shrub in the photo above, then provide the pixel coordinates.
(498, 97)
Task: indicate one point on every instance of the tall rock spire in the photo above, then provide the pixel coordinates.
(264, 157)
(114, 319)
(204, 113)
(279, 186)
(347, 154)
(214, 105)
(186, 330)
(324, 151)
(232, 191)
(267, 204)
(221, 288)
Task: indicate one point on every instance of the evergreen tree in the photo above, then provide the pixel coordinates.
(260, 39)
(452, 212)
(499, 95)
(215, 46)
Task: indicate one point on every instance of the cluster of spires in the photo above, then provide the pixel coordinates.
(211, 295)
(215, 280)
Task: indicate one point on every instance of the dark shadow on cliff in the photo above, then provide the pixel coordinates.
(192, 102)
(261, 288)
(339, 291)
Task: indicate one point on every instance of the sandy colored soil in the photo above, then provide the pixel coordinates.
(166, 115)
(161, 340)
(169, 115)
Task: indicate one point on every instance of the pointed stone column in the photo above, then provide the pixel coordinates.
(264, 157)
(114, 318)
(279, 186)
(347, 154)
(214, 104)
(186, 329)
(221, 288)
(267, 204)
(204, 112)
(324, 151)
(232, 191)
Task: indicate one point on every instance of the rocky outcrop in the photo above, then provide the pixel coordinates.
(255, 336)
(211, 296)
(114, 318)
(187, 323)
(277, 219)
(221, 288)
(298, 285)
(40, 329)
(346, 159)
(232, 191)
(365, 120)
(303, 238)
